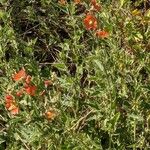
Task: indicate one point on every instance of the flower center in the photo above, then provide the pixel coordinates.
(90, 22)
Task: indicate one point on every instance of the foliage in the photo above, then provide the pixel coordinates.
(89, 67)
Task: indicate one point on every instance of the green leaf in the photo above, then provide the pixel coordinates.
(99, 64)
(1, 14)
(60, 66)
(122, 3)
(136, 117)
(115, 119)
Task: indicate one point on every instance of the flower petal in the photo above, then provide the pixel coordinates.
(20, 75)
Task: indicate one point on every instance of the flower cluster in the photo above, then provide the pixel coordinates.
(91, 23)
(28, 88)
(95, 5)
(11, 105)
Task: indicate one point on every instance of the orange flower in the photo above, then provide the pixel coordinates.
(102, 34)
(48, 82)
(19, 93)
(96, 5)
(8, 105)
(77, 1)
(8, 101)
(30, 89)
(14, 110)
(9, 97)
(20, 75)
(11, 105)
(50, 115)
(90, 22)
(28, 79)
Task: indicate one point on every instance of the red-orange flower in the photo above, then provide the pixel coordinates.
(90, 22)
(30, 89)
(10, 105)
(50, 115)
(8, 101)
(20, 75)
(14, 110)
(102, 34)
(8, 97)
(77, 1)
(96, 5)
(19, 93)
